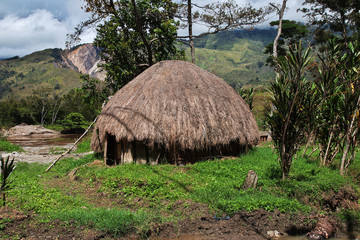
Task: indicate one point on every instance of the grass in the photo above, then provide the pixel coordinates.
(116, 222)
(6, 146)
(84, 145)
(145, 195)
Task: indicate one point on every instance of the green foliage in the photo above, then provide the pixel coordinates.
(290, 95)
(6, 169)
(291, 33)
(342, 19)
(30, 109)
(116, 222)
(153, 191)
(84, 145)
(6, 146)
(19, 77)
(218, 183)
(247, 95)
(133, 36)
(74, 122)
(32, 193)
(235, 55)
(337, 81)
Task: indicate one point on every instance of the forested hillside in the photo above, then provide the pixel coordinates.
(21, 76)
(236, 56)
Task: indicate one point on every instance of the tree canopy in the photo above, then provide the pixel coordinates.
(333, 18)
(132, 35)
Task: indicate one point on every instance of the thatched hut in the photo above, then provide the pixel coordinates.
(174, 112)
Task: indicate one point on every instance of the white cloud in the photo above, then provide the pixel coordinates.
(39, 30)
(42, 28)
(32, 25)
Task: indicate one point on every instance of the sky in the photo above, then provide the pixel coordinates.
(27, 26)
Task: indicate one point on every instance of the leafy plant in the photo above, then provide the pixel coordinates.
(6, 169)
(290, 94)
(74, 122)
(247, 95)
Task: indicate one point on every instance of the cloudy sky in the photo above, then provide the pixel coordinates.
(32, 25)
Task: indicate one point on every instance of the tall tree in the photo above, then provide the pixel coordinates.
(333, 17)
(281, 11)
(217, 17)
(338, 84)
(132, 34)
(291, 33)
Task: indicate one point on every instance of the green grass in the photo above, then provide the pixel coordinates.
(148, 193)
(116, 222)
(84, 145)
(218, 183)
(6, 146)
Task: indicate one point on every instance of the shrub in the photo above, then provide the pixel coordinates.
(74, 123)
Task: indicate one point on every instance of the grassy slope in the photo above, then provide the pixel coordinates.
(34, 71)
(138, 196)
(235, 56)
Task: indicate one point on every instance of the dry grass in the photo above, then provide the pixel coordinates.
(176, 102)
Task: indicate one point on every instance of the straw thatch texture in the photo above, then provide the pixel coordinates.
(177, 103)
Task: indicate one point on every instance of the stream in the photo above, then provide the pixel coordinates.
(42, 148)
(44, 140)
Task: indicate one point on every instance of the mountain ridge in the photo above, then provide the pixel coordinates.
(236, 56)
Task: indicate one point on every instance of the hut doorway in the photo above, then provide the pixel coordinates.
(111, 156)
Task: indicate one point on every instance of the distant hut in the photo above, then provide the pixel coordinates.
(174, 112)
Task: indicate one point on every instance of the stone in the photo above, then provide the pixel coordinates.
(250, 181)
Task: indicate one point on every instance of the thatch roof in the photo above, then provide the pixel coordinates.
(176, 102)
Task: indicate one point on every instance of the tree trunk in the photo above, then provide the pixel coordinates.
(191, 37)
(276, 40)
(140, 31)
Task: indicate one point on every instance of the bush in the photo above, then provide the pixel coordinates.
(74, 123)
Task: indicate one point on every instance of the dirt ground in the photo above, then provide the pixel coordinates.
(241, 226)
(17, 225)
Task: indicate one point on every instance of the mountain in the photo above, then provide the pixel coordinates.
(236, 56)
(85, 59)
(56, 69)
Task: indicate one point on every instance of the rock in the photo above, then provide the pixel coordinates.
(250, 181)
(72, 175)
(26, 130)
(273, 234)
(324, 229)
(85, 59)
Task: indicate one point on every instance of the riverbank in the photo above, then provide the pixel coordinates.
(200, 201)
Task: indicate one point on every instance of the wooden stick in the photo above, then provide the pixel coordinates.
(68, 151)
(312, 152)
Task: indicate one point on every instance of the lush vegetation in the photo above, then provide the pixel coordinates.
(56, 112)
(146, 194)
(6, 146)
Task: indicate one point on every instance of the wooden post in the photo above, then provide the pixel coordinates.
(105, 150)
